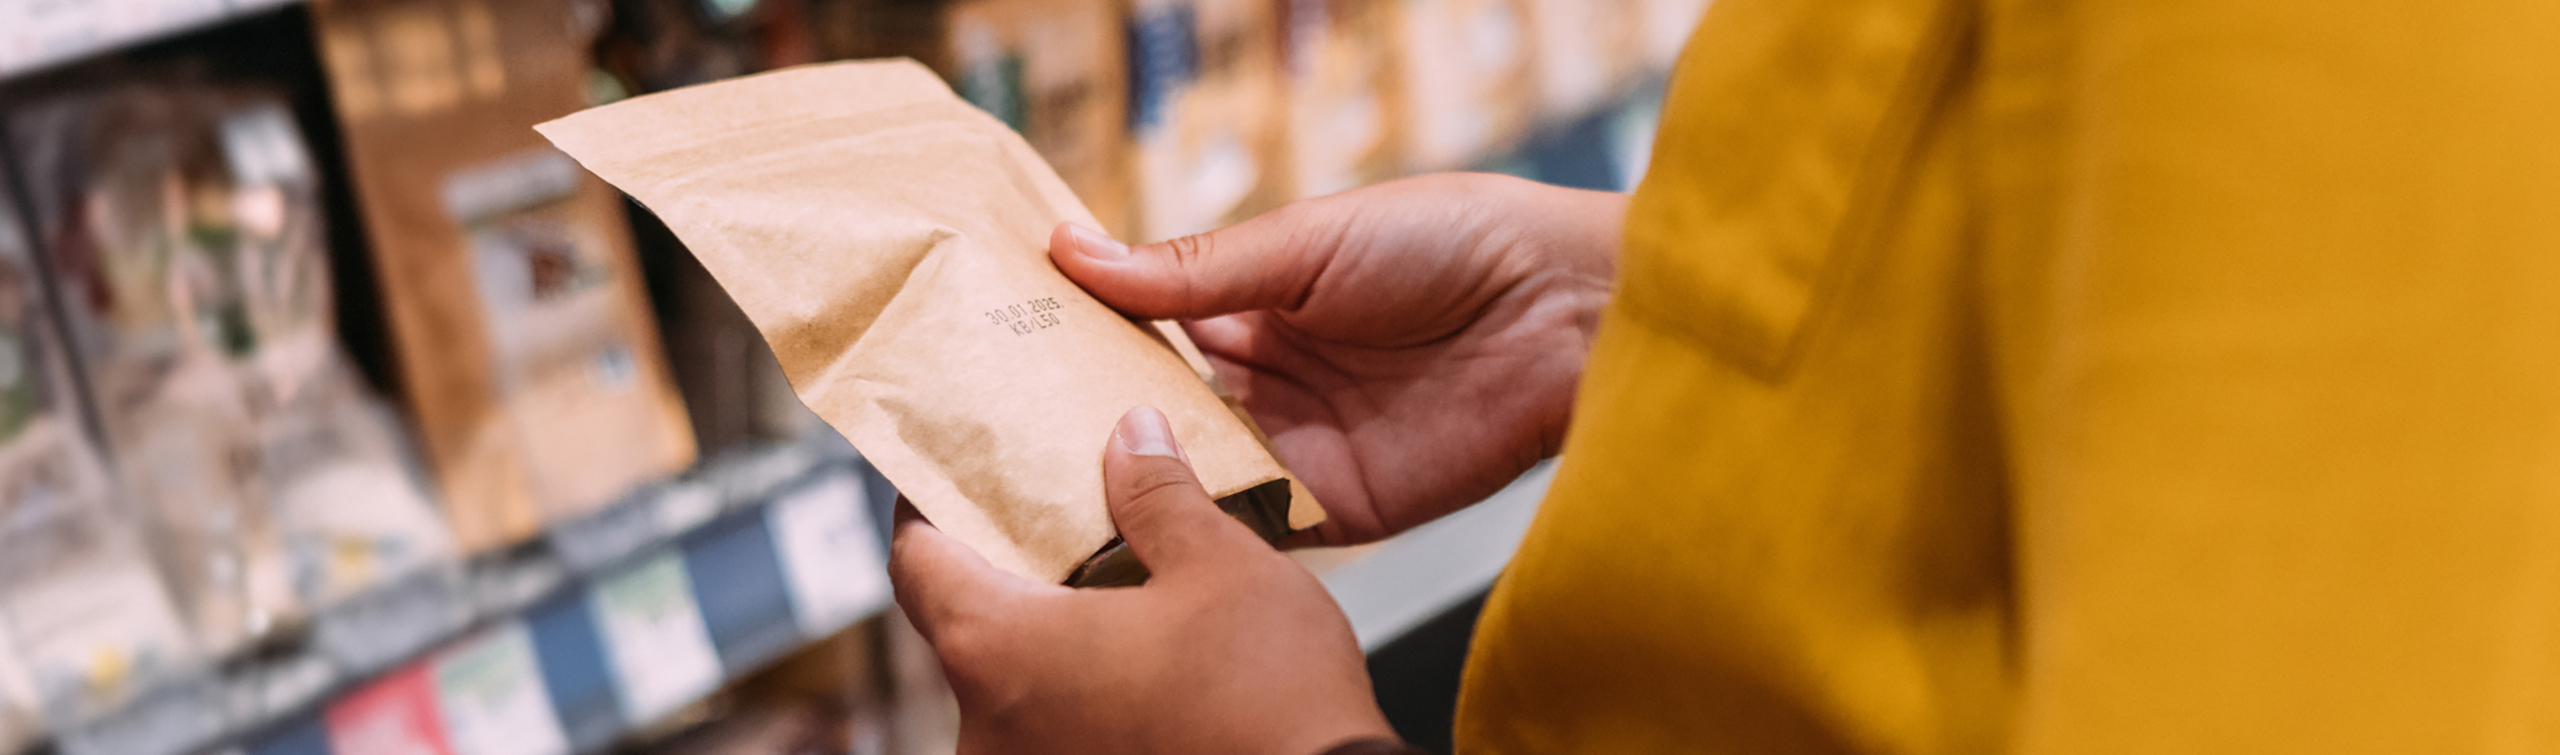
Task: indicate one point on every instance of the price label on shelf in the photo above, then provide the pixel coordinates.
(684, 506)
(830, 553)
(395, 716)
(490, 691)
(653, 633)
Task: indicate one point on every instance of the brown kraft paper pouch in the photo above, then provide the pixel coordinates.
(891, 242)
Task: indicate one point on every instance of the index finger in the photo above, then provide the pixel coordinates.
(1271, 261)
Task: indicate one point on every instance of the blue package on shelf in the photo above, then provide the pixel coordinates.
(1164, 57)
(574, 669)
(302, 736)
(880, 500)
(738, 582)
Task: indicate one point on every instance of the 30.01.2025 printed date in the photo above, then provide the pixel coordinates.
(1028, 317)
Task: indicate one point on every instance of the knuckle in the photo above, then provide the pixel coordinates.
(1188, 250)
(1157, 483)
(1188, 255)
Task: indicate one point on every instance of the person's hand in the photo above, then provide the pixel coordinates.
(1229, 648)
(1410, 347)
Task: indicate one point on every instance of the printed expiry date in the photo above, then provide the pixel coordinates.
(1027, 317)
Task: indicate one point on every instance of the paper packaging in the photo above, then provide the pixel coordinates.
(891, 242)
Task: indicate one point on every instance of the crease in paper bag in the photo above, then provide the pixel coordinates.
(890, 240)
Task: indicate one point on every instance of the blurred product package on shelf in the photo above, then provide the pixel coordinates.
(155, 255)
(85, 611)
(831, 696)
(656, 45)
(1346, 93)
(93, 623)
(851, 29)
(1208, 114)
(1586, 51)
(183, 220)
(1470, 86)
(1053, 70)
(527, 351)
(346, 488)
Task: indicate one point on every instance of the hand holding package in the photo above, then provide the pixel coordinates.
(890, 241)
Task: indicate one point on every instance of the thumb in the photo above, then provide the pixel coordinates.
(1268, 262)
(1157, 502)
(942, 584)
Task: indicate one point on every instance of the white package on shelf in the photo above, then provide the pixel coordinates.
(654, 638)
(830, 554)
(489, 690)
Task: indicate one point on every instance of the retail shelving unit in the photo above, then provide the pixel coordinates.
(609, 622)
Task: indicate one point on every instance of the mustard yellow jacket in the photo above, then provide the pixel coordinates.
(2143, 376)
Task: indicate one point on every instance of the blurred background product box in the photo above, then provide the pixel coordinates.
(656, 45)
(339, 414)
(87, 614)
(1055, 71)
(1208, 114)
(158, 253)
(1586, 50)
(183, 227)
(530, 359)
(1470, 86)
(1346, 93)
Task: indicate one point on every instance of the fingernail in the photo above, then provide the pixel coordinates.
(1096, 244)
(1144, 432)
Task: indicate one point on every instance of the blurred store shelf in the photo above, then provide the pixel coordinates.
(36, 34)
(624, 618)
(609, 623)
